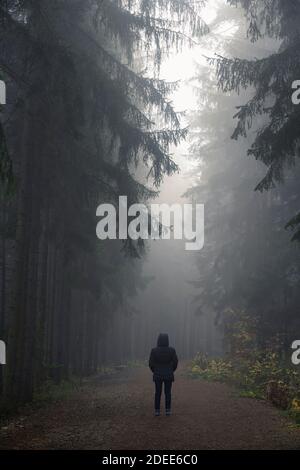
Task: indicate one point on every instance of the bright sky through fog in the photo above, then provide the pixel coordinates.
(181, 66)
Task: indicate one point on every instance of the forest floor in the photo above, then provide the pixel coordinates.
(116, 413)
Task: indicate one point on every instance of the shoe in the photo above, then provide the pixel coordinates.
(168, 412)
(157, 413)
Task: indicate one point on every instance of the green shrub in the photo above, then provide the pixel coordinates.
(263, 375)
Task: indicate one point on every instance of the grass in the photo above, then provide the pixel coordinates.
(50, 392)
(137, 363)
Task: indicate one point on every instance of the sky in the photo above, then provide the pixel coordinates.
(182, 67)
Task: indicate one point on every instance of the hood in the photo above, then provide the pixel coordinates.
(163, 340)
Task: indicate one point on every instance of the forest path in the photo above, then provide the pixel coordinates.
(116, 413)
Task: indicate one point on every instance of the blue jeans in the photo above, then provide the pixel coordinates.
(158, 390)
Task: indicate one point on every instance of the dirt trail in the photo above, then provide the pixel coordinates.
(116, 413)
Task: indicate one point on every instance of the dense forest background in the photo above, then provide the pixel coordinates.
(88, 118)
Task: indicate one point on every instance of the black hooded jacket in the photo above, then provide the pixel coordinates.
(163, 359)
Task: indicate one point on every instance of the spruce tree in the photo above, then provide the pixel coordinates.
(277, 140)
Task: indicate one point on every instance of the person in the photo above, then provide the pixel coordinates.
(163, 362)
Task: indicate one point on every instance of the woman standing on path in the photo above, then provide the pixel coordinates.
(163, 362)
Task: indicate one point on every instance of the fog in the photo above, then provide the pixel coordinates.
(170, 302)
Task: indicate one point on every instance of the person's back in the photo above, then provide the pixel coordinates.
(163, 362)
